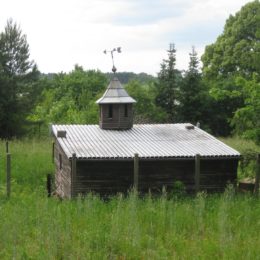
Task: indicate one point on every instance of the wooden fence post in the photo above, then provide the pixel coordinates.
(8, 174)
(257, 175)
(73, 173)
(49, 184)
(197, 173)
(7, 147)
(136, 171)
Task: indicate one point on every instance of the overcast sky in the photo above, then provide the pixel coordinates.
(62, 33)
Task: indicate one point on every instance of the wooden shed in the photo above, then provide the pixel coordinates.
(103, 158)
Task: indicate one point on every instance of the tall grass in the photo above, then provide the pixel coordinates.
(32, 226)
(31, 161)
(212, 227)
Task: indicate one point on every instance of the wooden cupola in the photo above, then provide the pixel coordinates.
(116, 107)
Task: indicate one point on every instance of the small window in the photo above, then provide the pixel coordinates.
(110, 111)
(60, 161)
(126, 110)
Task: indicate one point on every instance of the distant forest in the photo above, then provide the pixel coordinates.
(223, 95)
(124, 77)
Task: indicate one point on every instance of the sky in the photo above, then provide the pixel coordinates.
(63, 33)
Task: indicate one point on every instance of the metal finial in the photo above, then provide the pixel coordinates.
(118, 49)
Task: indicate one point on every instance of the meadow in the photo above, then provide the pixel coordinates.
(33, 226)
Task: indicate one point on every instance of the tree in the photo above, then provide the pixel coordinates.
(236, 53)
(70, 98)
(192, 93)
(145, 109)
(126, 77)
(247, 118)
(18, 77)
(237, 49)
(168, 85)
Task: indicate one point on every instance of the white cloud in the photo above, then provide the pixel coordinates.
(63, 33)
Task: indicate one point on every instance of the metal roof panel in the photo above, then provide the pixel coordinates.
(113, 100)
(149, 141)
(115, 93)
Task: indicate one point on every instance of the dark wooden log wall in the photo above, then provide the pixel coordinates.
(63, 175)
(214, 175)
(104, 177)
(110, 177)
(119, 120)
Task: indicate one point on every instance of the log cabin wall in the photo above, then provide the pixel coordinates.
(62, 172)
(120, 118)
(217, 174)
(214, 176)
(104, 177)
(111, 177)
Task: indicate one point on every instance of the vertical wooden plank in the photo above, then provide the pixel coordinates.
(257, 175)
(49, 184)
(73, 174)
(7, 147)
(197, 173)
(136, 171)
(8, 174)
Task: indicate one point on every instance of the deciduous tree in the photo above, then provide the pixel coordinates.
(237, 49)
(70, 98)
(145, 110)
(247, 118)
(236, 53)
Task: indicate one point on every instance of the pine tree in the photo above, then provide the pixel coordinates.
(168, 84)
(191, 93)
(17, 80)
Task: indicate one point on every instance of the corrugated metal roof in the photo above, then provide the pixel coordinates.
(149, 141)
(115, 93)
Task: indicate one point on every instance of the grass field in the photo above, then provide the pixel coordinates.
(32, 226)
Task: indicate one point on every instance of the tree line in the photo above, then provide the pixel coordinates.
(223, 95)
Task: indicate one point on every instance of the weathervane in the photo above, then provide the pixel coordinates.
(118, 49)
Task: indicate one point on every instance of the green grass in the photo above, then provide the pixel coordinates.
(31, 162)
(32, 226)
(212, 227)
(241, 145)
